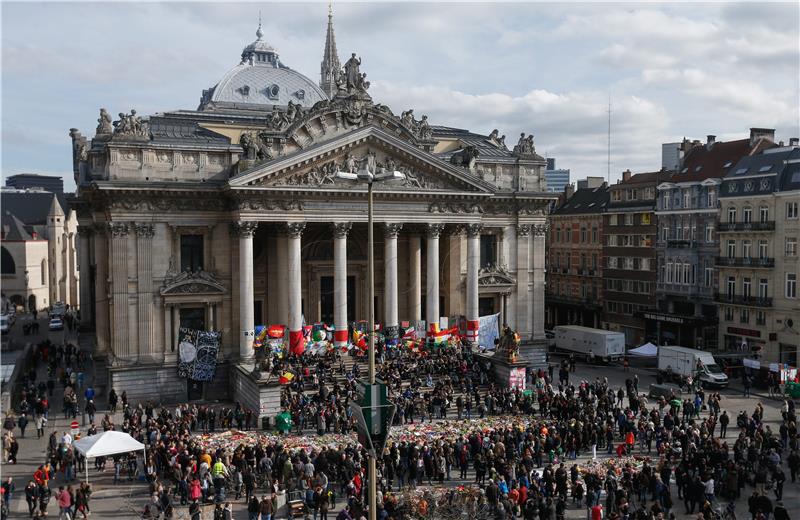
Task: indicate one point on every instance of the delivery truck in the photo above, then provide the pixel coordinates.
(592, 344)
(679, 363)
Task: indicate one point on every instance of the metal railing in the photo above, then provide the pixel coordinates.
(768, 225)
(738, 299)
(739, 261)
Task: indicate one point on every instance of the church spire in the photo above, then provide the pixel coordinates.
(330, 65)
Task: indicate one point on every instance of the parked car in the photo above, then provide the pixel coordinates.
(56, 324)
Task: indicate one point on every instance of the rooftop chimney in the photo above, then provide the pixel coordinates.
(569, 191)
(794, 141)
(758, 133)
(710, 139)
(626, 175)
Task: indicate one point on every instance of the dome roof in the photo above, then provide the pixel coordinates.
(261, 79)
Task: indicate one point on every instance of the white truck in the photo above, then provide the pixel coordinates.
(683, 362)
(602, 345)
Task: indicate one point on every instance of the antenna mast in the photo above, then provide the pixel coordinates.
(608, 173)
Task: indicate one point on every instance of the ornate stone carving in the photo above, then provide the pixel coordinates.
(244, 229)
(466, 157)
(144, 230)
(278, 119)
(539, 230)
(497, 140)
(341, 229)
(192, 282)
(455, 207)
(255, 147)
(104, 125)
(270, 205)
(295, 229)
(391, 230)
(351, 79)
(85, 231)
(421, 129)
(131, 125)
(161, 204)
(524, 146)
(434, 230)
(473, 230)
(118, 229)
(523, 230)
(496, 274)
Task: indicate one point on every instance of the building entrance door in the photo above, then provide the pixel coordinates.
(486, 306)
(194, 390)
(326, 299)
(193, 318)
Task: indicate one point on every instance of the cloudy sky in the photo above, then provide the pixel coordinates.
(671, 70)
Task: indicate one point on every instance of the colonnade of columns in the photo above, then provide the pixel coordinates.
(292, 268)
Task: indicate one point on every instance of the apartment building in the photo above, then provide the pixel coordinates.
(574, 290)
(687, 244)
(758, 263)
(629, 274)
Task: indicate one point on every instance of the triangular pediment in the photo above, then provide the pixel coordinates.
(318, 167)
(189, 282)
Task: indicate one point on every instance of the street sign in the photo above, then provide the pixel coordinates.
(374, 414)
(74, 427)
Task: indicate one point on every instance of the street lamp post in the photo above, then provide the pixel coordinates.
(370, 178)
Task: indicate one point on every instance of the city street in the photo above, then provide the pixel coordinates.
(127, 500)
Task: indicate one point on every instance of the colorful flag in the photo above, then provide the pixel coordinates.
(286, 378)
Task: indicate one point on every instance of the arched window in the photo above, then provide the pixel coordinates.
(7, 265)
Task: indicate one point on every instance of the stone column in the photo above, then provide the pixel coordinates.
(414, 278)
(294, 250)
(509, 261)
(391, 323)
(84, 267)
(101, 299)
(473, 266)
(524, 307)
(144, 268)
(245, 231)
(168, 341)
(432, 272)
(282, 292)
(538, 283)
(340, 230)
(118, 263)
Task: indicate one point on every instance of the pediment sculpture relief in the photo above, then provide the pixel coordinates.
(495, 275)
(190, 282)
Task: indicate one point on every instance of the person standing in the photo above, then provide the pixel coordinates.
(32, 497)
(724, 420)
(8, 489)
(64, 500)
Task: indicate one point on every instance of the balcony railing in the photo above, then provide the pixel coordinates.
(768, 225)
(681, 244)
(738, 299)
(738, 261)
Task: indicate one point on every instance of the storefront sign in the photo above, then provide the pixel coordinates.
(744, 332)
(663, 317)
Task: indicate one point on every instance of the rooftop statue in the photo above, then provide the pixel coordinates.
(104, 125)
(352, 73)
(524, 145)
(131, 125)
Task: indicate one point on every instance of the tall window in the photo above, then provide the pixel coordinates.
(708, 278)
(583, 235)
(665, 201)
(747, 214)
(645, 219)
(594, 235)
(763, 214)
(731, 214)
(594, 262)
(746, 288)
(709, 232)
(791, 246)
(728, 313)
(731, 248)
(731, 286)
(762, 248)
(791, 285)
(791, 210)
(711, 198)
(687, 199)
(746, 249)
(191, 253)
(488, 250)
(763, 288)
(745, 316)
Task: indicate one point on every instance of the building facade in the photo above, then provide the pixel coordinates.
(758, 264)
(575, 260)
(247, 211)
(557, 178)
(688, 244)
(39, 244)
(23, 181)
(629, 275)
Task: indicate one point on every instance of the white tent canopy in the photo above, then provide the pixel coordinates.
(646, 350)
(107, 443)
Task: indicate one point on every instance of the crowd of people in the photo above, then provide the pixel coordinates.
(517, 458)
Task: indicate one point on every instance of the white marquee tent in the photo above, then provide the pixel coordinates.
(646, 350)
(105, 444)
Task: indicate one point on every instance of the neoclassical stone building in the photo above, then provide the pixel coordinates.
(240, 213)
